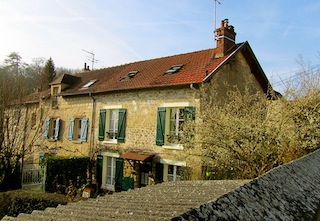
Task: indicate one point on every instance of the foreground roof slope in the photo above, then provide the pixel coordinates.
(150, 73)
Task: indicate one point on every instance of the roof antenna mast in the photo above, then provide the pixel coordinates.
(215, 17)
(93, 60)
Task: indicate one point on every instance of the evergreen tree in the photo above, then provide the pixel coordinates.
(48, 74)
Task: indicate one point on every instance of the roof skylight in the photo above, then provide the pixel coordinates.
(87, 85)
(129, 75)
(174, 69)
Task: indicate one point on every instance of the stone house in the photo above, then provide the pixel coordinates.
(129, 118)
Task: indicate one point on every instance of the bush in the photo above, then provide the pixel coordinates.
(61, 169)
(19, 201)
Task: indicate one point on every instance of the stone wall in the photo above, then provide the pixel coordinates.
(289, 192)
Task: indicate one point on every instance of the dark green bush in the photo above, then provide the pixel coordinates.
(61, 169)
(19, 201)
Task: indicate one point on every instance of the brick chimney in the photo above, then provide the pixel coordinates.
(225, 37)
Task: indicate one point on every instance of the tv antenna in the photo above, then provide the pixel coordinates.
(215, 17)
(93, 60)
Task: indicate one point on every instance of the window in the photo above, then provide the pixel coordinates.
(170, 122)
(111, 171)
(78, 129)
(33, 120)
(87, 85)
(55, 92)
(128, 76)
(51, 130)
(112, 123)
(174, 173)
(175, 124)
(173, 69)
(111, 168)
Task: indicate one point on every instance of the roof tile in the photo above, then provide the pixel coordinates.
(151, 73)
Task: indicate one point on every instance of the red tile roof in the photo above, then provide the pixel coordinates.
(151, 73)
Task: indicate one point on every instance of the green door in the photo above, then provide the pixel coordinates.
(99, 169)
(119, 174)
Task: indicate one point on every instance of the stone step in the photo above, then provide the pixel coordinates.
(95, 215)
(146, 203)
(162, 212)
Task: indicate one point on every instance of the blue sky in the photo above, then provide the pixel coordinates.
(123, 31)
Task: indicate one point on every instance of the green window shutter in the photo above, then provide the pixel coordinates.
(161, 122)
(102, 124)
(189, 113)
(119, 174)
(99, 165)
(121, 125)
(159, 173)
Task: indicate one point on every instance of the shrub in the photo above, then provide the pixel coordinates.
(61, 169)
(19, 201)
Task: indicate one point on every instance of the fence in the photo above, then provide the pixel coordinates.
(33, 177)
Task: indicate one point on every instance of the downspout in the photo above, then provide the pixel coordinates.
(193, 88)
(91, 144)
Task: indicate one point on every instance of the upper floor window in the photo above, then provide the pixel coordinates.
(51, 130)
(170, 121)
(112, 123)
(33, 120)
(176, 119)
(78, 129)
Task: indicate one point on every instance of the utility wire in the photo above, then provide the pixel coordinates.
(298, 74)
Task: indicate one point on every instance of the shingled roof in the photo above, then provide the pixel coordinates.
(193, 67)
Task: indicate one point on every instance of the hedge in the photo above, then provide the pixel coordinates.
(20, 201)
(61, 169)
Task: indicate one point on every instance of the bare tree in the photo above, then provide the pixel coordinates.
(16, 134)
(249, 134)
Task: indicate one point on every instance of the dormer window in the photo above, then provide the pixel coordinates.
(173, 69)
(54, 98)
(128, 76)
(87, 85)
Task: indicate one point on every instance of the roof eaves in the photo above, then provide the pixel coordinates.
(209, 76)
(127, 89)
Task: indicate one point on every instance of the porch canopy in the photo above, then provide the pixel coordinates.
(136, 156)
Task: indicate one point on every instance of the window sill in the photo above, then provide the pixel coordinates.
(173, 146)
(110, 142)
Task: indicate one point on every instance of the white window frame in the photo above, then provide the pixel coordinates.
(109, 110)
(107, 157)
(169, 106)
(174, 176)
(113, 120)
(175, 163)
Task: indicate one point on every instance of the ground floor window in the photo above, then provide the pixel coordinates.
(111, 171)
(174, 173)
